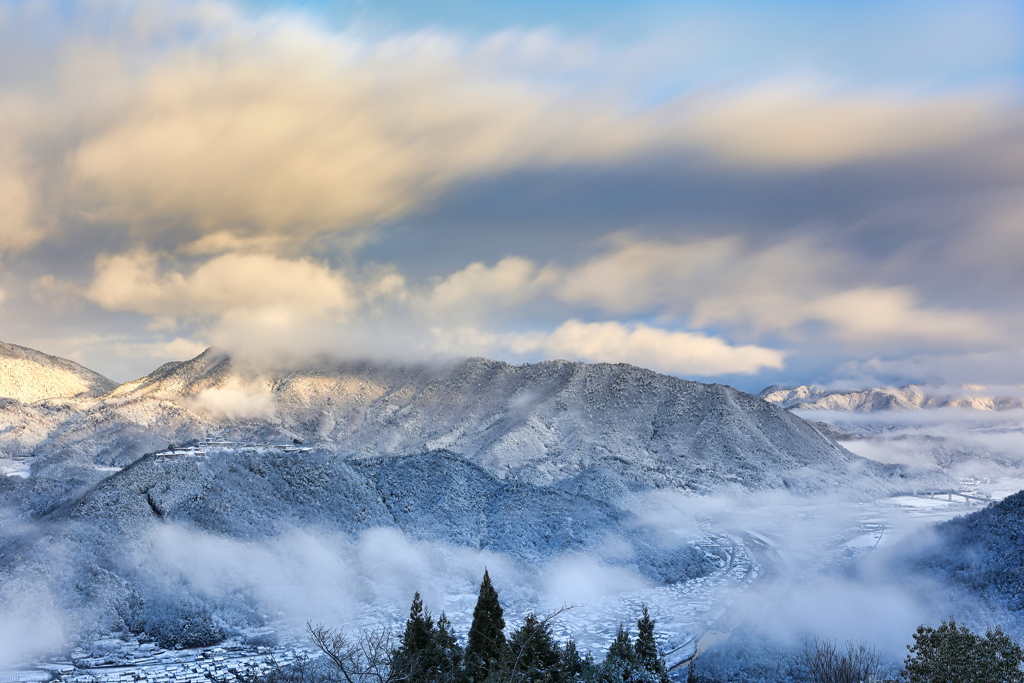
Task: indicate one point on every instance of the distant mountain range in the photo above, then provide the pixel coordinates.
(910, 397)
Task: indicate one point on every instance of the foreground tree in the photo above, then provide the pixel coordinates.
(428, 652)
(366, 658)
(954, 654)
(532, 655)
(485, 645)
(826, 663)
(576, 667)
(646, 648)
(621, 664)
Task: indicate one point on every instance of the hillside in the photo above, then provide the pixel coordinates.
(524, 465)
(109, 575)
(27, 376)
(982, 552)
(540, 423)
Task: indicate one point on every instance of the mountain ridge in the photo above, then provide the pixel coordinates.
(909, 397)
(539, 422)
(27, 375)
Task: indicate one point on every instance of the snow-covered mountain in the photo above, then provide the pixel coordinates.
(967, 431)
(97, 555)
(541, 423)
(27, 376)
(534, 462)
(910, 397)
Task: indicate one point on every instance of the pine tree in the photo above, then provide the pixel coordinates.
(574, 666)
(620, 664)
(486, 642)
(411, 660)
(532, 655)
(646, 648)
(622, 647)
(446, 653)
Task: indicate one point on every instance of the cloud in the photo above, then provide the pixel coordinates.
(200, 119)
(477, 288)
(792, 125)
(224, 163)
(225, 283)
(30, 624)
(18, 230)
(684, 353)
(232, 401)
(581, 579)
(279, 126)
(254, 303)
(985, 367)
(778, 288)
(306, 574)
(876, 312)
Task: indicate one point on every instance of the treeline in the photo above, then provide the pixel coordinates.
(428, 651)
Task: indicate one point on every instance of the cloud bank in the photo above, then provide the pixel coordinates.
(190, 171)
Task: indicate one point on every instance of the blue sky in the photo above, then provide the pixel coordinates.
(749, 193)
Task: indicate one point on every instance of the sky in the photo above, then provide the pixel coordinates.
(740, 192)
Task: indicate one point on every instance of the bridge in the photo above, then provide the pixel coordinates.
(949, 496)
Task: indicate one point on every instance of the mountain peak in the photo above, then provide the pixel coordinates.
(28, 375)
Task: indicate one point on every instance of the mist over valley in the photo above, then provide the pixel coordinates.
(212, 502)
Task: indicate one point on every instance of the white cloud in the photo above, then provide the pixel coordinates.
(683, 353)
(197, 115)
(283, 127)
(867, 313)
(775, 289)
(226, 283)
(232, 401)
(178, 348)
(793, 125)
(477, 287)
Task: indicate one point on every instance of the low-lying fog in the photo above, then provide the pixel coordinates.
(829, 568)
(801, 588)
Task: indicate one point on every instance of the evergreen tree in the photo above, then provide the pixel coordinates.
(446, 653)
(622, 647)
(486, 642)
(952, 654)
(574, 666)
(411, 658)
(646, 648)
(620, 664)
(532, 655)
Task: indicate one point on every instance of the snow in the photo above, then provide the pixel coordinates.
(27, 376)
(543, 462)
(910, 397)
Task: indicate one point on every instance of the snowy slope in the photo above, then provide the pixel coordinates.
(910, 397)
(540, 423)
(107, 575)
(28, 376)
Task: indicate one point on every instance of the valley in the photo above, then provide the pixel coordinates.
(191, 522)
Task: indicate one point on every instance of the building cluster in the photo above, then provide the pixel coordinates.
(202, 448)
